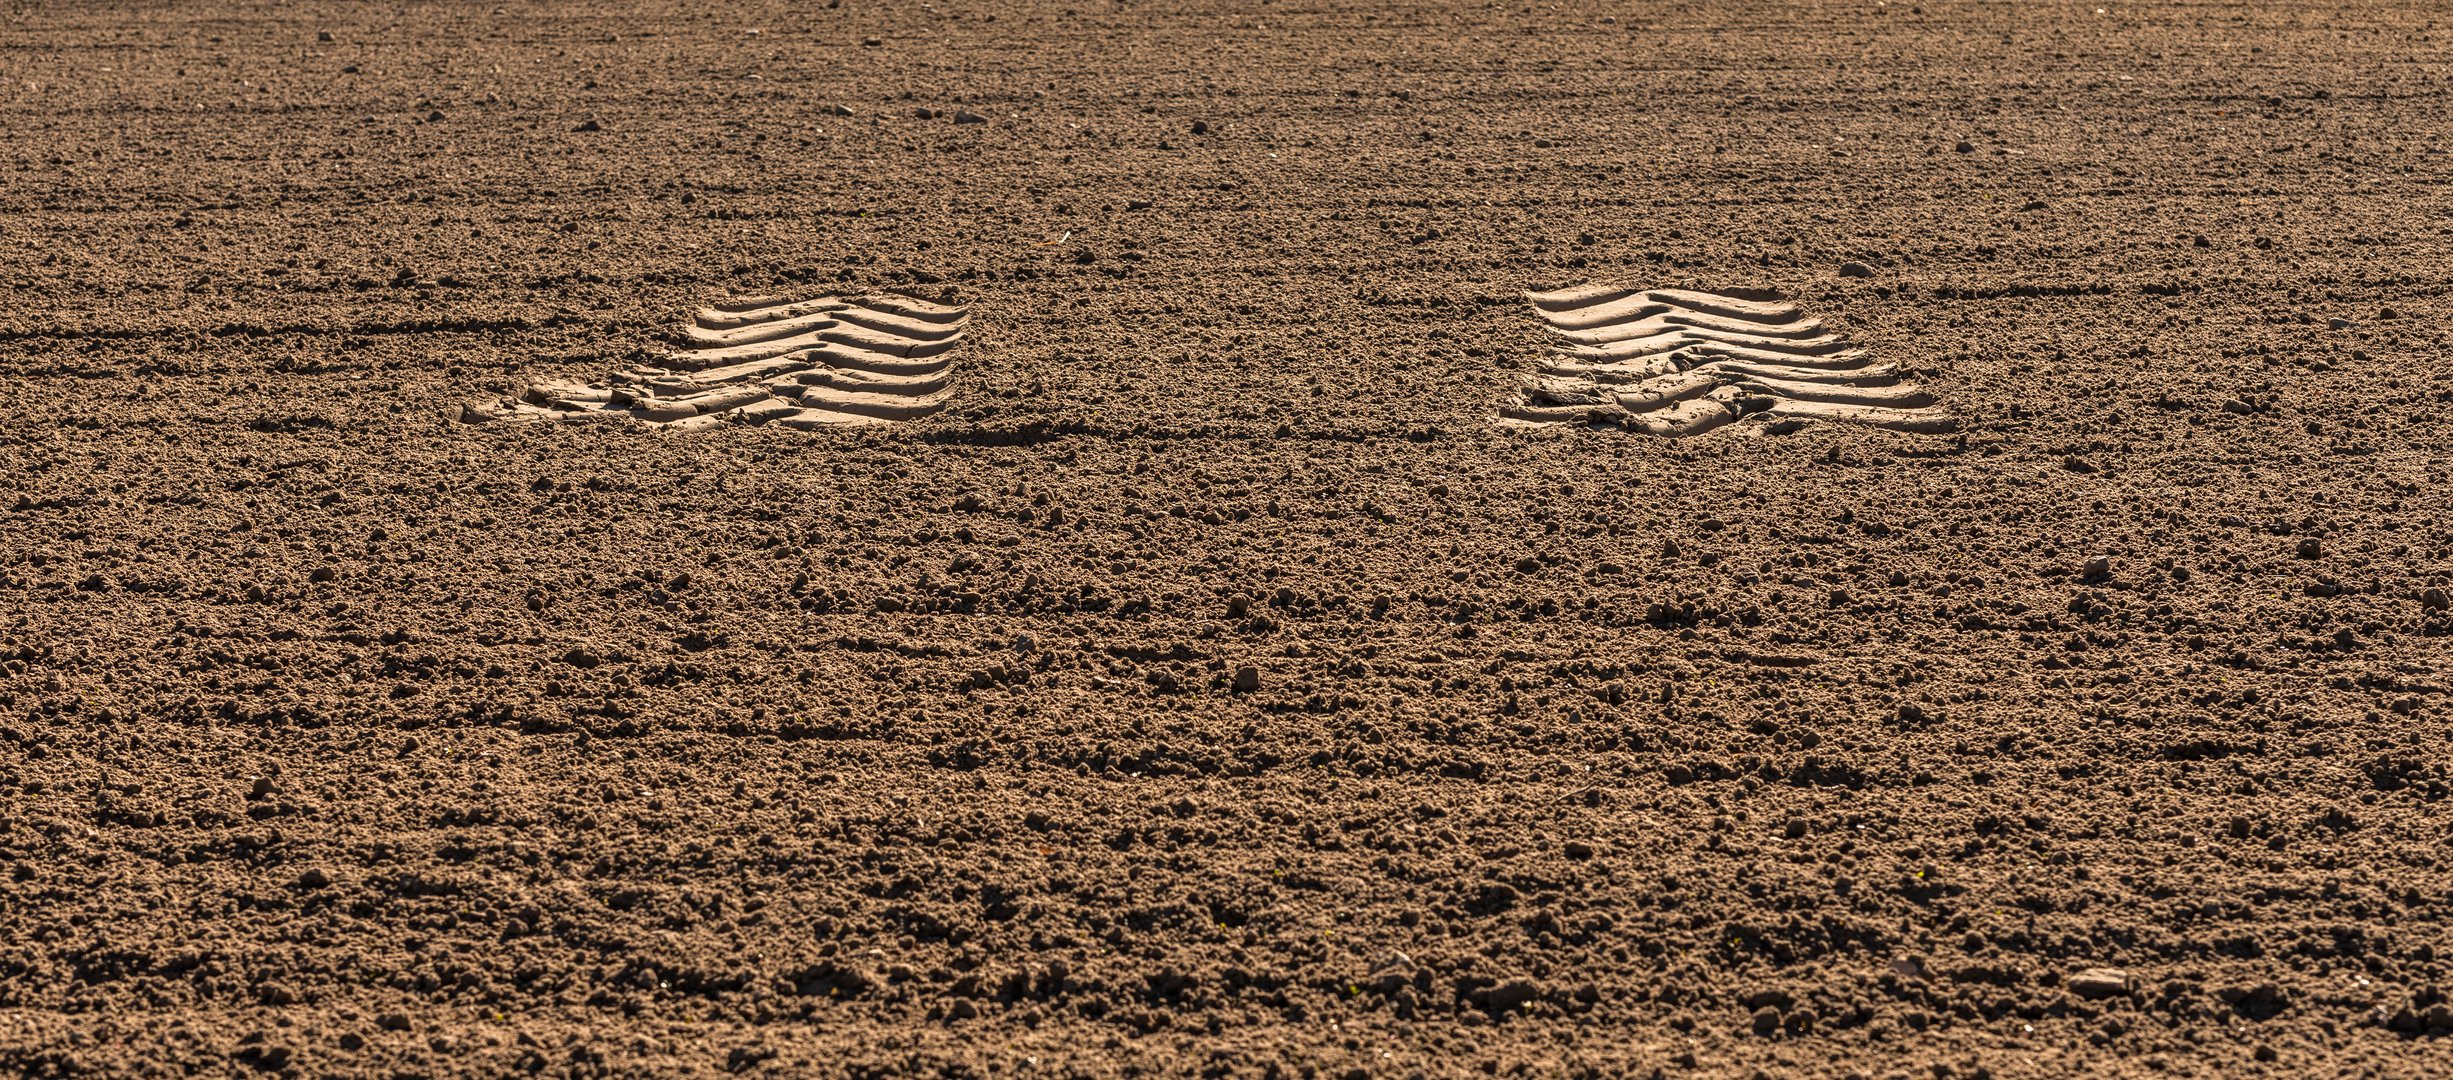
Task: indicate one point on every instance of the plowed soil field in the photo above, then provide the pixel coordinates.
(1207, 675)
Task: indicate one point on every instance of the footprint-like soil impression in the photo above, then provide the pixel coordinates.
(1676, 362)
(827, 362)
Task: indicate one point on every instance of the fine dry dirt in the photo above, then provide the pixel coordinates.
(338, 737)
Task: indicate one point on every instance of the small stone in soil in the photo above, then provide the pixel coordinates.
(2099, 983)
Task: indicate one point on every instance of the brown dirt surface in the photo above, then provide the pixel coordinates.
(1215, 686)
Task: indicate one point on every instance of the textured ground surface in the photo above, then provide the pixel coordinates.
(339, 738)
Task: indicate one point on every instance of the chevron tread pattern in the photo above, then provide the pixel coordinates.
(811, 364)
(1677, 363)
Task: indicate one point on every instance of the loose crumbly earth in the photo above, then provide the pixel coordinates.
(337, 738)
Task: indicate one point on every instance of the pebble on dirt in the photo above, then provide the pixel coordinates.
(2098, 983)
